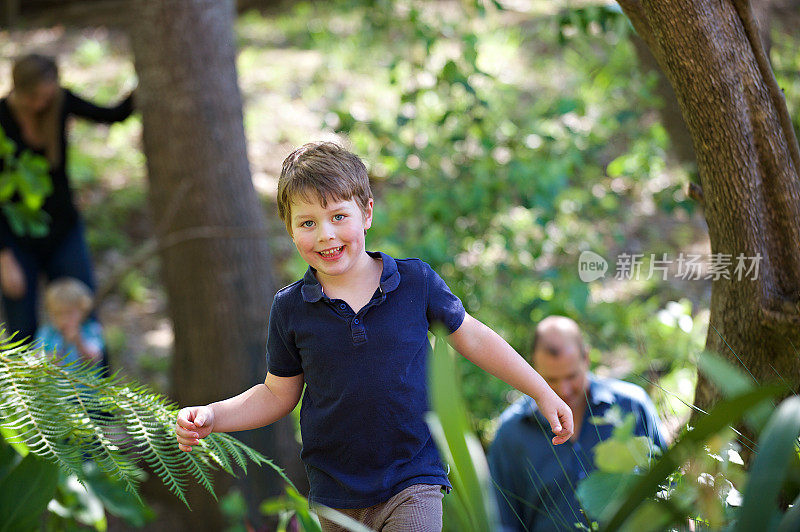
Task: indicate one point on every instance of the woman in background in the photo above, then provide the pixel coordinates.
(34, 116)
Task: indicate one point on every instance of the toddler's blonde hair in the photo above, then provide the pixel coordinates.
(68, 292)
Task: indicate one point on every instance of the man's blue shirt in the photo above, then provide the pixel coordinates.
(537, 480)
(362, 416)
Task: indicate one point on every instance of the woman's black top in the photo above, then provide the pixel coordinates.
(59, 205)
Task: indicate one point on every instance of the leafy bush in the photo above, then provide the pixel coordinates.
(55, 418)
(701, 478)
(24, 184)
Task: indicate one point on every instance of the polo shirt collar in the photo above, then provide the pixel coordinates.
(599, 393)
(390, 278)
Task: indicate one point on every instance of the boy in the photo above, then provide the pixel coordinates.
(70, 335)
(354, 331)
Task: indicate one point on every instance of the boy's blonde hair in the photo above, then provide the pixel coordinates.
(69, 292)
(321, 171)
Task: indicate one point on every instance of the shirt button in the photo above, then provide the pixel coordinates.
(342, 306)
(355, 321)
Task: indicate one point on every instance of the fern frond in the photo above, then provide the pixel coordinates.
(68, 414)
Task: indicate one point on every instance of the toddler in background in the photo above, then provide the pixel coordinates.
(69, 334)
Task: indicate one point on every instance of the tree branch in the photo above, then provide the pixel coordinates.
(152, 247)
(635, 12)
(745, 12)
(695, 192)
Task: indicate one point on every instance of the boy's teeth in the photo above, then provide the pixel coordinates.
(331, 251)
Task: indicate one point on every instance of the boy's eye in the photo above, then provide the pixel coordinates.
(338, 217)
(307, 223)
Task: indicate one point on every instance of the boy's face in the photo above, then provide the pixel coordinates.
(330, 239)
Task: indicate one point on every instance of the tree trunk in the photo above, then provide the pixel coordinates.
(670, 113)
(748, 163)
(215, 258)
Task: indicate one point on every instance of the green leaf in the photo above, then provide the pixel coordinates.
(7, 145)
(722, 415)
(616, 456)
(11, 437)
(791, 519)
(9, 458)
(650, 516)
(25, 492)
(63, 414)
(15, 219)
(775, 448)
(624, 430)
(450, 428)
(729, 379)
(33, 201)
(6, 187)
(616, 168)
(732, 381)
(597, 490)
(115, 498)
(450, 72)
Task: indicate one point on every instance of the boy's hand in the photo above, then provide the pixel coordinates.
(194, 423)
(72, 335)
(559, 415)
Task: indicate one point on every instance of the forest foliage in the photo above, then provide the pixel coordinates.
(501, 144)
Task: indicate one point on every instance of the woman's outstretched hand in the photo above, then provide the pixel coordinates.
(12, 278)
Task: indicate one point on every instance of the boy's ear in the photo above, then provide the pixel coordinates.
(368, 215)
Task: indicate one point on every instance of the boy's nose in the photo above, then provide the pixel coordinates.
(325, 233)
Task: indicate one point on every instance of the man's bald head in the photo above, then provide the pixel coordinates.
(556, 334)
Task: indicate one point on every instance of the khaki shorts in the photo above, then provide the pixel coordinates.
(418, 508)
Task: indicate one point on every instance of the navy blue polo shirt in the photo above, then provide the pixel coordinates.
(362, 417)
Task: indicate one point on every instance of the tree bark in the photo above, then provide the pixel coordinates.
(748, 163)
(217, 270)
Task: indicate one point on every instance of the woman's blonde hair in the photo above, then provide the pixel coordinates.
(28, 72)
(69, 292)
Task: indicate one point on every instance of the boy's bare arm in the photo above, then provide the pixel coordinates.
(261, 405)
(485, 348)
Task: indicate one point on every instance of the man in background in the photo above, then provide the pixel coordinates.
(535, 481)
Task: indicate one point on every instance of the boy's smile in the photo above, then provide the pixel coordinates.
(332, 254)
(331, 238)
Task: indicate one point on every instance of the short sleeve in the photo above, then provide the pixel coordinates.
(443, 307)
(283, 358)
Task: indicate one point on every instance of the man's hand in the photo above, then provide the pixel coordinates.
(12, 278)
(558, 414)
(194, 423)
